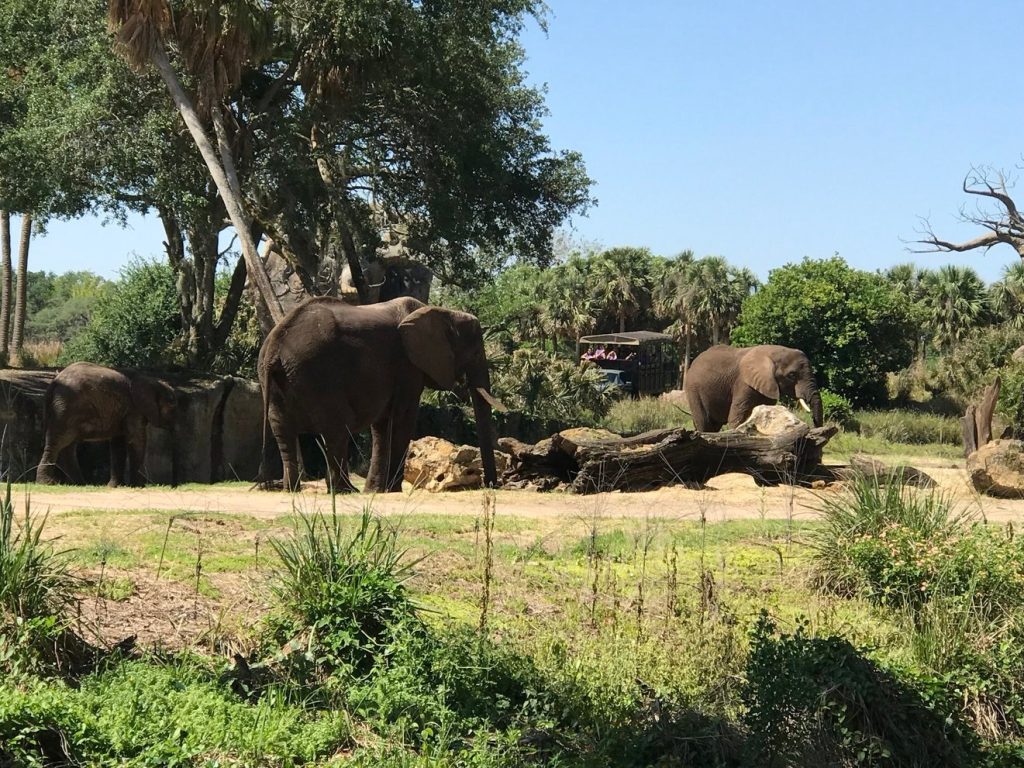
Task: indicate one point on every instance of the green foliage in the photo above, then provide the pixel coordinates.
(547, 387)
(144, 714)
(343, 586)
(900, 547)
(36, 589)
(1011, 395)
(629, 416)
(134, 322)
(821, 701)
(909, 427)
(836, 409)
(852, 325)
(971, 365)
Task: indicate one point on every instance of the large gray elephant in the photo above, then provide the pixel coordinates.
(90, 403)
(724, 383)
(332, 369)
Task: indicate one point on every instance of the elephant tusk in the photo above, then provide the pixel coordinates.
(803, 404)
(492, 401)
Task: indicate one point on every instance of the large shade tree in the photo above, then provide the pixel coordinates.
(340, 126)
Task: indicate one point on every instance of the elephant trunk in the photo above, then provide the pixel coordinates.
(809, 393)
(479, 389)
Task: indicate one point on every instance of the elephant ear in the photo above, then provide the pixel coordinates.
(757, 369)
(428, 337)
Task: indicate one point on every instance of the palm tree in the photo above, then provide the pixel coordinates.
(674, 300)
(21, 292)
(1007, 296)
(956, 301)
(219, 40)
(569, 309)
(5, 284)
(719, 291)
(622, 282)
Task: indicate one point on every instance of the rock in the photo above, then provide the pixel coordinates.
(1018, 354)
(770, 420)
(436, 465)
(997, 469)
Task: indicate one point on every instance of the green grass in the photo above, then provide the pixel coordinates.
(628, 416)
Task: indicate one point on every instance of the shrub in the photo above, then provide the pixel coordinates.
(882, 539)
(821, 701)
(836, 409)
(134, 321)
(1011, 395)
(970, 365)
(36, 589)
(853, 326)
(345, 588)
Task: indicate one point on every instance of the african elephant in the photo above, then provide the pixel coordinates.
(91, 403)
(332, 369)
(725, 383)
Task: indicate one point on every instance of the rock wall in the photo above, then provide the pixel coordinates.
(217, 433)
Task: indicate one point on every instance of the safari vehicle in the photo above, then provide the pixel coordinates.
(638, 362)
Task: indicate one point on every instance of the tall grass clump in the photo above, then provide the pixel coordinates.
(632, 417)
(343, 587)
(36, 589)
(909, 427)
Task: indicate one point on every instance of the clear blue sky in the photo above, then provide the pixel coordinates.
(763, 132)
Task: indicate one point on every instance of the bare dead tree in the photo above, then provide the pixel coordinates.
(996, 212)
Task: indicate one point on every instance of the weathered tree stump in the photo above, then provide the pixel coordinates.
(976, 423)
(591, 461)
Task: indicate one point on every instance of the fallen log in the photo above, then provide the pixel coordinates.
(863, 466)
(591, 461)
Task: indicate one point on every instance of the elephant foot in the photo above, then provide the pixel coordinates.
(45, 475)
(114, 483)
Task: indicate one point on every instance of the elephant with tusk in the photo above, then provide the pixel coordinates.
(725, 383)
(333, 369)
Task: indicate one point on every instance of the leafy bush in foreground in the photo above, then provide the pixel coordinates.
(898, 546)
(36, 589)
(344, 588)
(821, 701)
(836, 409)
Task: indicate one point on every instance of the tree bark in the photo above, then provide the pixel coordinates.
(231, 304)
(222, 170)
(591, 463)
(21, 293)
(5, 280)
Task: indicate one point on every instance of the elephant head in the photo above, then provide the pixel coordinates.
(448, 347)
(776, 371)
(155, 400)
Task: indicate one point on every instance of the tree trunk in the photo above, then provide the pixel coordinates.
(222, 170)
(686, 356)
(5, 291)
(622, 323)
(21, 293)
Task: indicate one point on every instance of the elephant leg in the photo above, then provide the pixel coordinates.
(49, 462)
(288, 446)
(68, 462)
(118, 456)
(335, 448)
(391, 437)
(739, 412)
(136, 442)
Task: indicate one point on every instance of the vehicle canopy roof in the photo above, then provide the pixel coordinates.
(631, 338)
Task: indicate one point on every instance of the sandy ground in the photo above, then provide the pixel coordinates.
(727, 497)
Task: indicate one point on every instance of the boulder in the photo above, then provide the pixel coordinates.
(769, 420)
(21, 422)
(997, 469)
(435, 465)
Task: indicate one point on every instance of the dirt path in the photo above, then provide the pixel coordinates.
(728, 497)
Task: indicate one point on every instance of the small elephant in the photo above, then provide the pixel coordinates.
(725, 383)
(333, 369)
(91, 403)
